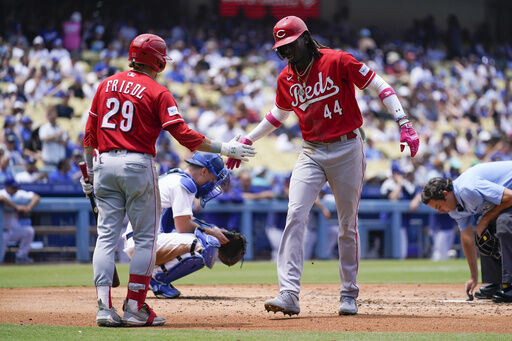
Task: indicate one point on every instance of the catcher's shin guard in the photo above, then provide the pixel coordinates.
(177, 269)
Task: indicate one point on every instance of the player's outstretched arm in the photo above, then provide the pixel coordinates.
(271, 122)
(232, 149)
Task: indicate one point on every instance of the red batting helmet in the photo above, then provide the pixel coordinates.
(287, 30)
(149, 49)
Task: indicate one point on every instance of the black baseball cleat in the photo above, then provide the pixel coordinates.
(487, 291)
(503, 296)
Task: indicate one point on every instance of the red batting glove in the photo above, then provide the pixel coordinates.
(235, 163)
(409, 136)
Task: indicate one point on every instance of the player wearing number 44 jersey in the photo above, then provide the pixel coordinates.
(127, 114)
(318, 85)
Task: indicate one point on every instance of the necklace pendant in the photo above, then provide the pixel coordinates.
(301, 91)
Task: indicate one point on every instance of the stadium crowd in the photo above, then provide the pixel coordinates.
(454, 84)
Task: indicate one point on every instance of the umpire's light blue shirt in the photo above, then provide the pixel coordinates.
(479, 189)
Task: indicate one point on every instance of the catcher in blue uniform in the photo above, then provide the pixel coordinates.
(186, 244)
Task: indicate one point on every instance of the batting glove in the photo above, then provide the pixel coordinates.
(238, 150)
(87, 187)
(409, 136)
(234, 163)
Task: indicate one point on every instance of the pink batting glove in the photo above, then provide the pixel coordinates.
(235, 163)
(410, 137)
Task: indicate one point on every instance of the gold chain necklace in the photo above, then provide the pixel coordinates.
(304, 80)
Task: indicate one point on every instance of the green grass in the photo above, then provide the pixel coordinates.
(370, 271)
(39, 333)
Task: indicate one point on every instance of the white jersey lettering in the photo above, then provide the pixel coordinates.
(127, 88)
(314, 93)
(114, 85)
(130, 88)
(139, 95)
(135, 89)
(121, 87)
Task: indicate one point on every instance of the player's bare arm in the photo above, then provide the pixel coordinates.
(506, 202)
(184, 224)
(468, 245)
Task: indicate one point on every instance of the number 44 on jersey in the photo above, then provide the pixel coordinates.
(337, 109)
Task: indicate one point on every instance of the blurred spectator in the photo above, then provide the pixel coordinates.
(25, 131)
(72, 31)
(17, 204)
(39, 54)
(14, 154)
(5, 168)
(398, 187)
(98, 44)
(59, 52)
(75, 172)
(53, 139)
(62, 173)
(31, 174)
(63, 108)
(366, 43)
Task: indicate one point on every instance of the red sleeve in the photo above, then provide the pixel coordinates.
(358, 73)
(168, 109)
(90, 136)
(185, 136)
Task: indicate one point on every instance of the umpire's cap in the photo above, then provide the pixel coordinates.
(212, 162)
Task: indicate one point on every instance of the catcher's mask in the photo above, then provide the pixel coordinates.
(215, 164)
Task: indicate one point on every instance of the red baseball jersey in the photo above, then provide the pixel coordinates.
(326, 106)
(128, 112)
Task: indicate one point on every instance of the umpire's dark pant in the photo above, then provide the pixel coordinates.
(491, 269)
(504, 234)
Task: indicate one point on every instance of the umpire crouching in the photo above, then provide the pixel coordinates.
(481, 197)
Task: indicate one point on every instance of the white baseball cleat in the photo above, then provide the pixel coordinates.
(286, 302)
(107, 317)
(348, 306)
(142, 317)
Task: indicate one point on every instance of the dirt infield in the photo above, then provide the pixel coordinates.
(382, 308)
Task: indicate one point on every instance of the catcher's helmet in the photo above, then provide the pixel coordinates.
(215, 164)
(149, 49)
(287, 30)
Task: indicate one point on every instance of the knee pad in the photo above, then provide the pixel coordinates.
(179, 268)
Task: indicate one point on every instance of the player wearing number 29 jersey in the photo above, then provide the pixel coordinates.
(318, 85)
(127, 114)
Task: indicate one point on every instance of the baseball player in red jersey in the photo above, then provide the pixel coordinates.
(318, 85)
(127, 114)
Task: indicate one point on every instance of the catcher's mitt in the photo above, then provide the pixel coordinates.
(488, 244)
(234, 250)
